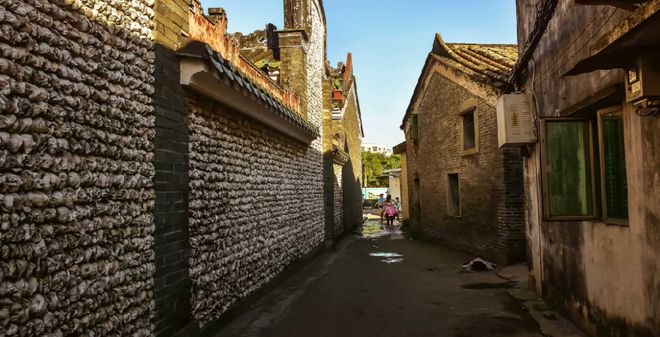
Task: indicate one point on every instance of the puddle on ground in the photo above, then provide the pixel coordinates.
(374, 230)
(392, 261)
(390, 255)
(504, 285)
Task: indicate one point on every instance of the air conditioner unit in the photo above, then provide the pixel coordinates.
(643, 81)
(515, 120)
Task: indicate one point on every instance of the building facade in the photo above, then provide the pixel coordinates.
(592, 179)
(342, 128)
(342, 139)
(465, 191)
(153, 177)
(400, 149)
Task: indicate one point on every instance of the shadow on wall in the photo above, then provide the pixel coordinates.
(352, 193)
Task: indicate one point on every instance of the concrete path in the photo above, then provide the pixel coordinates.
(382, 284)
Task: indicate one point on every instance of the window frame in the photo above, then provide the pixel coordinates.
(601, 161)
(414, 127)
(449, 195)
(545, 195)
(475, 125)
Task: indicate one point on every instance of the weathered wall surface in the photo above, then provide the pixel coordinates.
(405, 189)
(338, 199)
(76, 172)
(414, 217)
(562, 47)
(605, 276)
(343, 182)
(579, 264)
(171, 182)
(315, 69)
(352, 172)
(255, 206)
(484, 226)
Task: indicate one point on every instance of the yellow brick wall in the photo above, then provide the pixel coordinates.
(171, 22)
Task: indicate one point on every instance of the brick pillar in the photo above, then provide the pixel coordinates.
(511, 211)
(328, 173)
(293, 40)
(293, 68)
(172, 248)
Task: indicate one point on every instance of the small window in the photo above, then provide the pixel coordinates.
(468, 130)
(614, 184)
(453, 195)
(414, 127)
(568, 170)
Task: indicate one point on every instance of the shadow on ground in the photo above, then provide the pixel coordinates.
(379, 282)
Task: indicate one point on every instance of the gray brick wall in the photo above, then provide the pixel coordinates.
(511, 210)
(172, 249)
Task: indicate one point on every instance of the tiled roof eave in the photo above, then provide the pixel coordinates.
(237, 78)
(494, 80)
(266, 97)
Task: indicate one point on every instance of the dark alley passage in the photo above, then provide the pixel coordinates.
(386, 284)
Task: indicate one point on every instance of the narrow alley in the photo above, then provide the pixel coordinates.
(383, 283)
(218, 168)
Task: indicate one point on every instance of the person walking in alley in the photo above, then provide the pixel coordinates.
(380, 202)
(397, 204)
(389, 211)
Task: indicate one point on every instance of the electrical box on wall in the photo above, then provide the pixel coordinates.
(643, 81)
(515, 120)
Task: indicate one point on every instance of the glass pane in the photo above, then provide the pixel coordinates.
(614, 167)
(569, 168)
(415, 127)
(468, 130)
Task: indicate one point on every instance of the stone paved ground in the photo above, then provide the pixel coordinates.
(384, 284)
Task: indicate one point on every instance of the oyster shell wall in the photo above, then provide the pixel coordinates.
(76, 172)
(256, 201)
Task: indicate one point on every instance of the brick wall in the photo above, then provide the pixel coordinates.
(338, 200)
(511, 210)
(293, 69)
(412, 173)
(352, 171)
(328, 160)
(490, 219)
(328, 196)
(172, 248)
(76, 151)
(171, 182)
(170, 20)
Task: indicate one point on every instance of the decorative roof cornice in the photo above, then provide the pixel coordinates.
(219, 71)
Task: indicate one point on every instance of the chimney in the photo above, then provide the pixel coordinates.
(218, 14)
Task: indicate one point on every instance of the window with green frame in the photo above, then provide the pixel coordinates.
(568, 169)
(569, 179)
(614, 184)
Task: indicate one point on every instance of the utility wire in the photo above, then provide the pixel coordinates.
(544, 14)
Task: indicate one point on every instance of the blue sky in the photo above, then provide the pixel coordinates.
(390, 40)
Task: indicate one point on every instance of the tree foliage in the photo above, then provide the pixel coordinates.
(374, 166)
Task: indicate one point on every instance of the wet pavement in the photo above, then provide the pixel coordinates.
(381, 283)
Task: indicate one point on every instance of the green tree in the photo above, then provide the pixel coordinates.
(374, 166)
